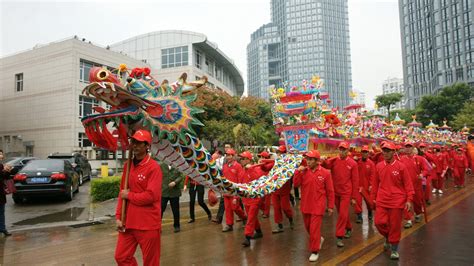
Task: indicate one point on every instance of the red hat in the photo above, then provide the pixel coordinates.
(437, 147)
(422, 145)
(230, 151)
(246, 154)
(344, 145)
(282, 148)
(408, 144)
(389, 145)
(313, 154)
(365, 148)
(264, 154)
(142, 135)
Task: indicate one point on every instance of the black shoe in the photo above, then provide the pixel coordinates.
(371, 217)
(359, 218)
(191, 221)
(428, 202)
(6, 233)
(177, 229)
(258, 234)
(246, 242)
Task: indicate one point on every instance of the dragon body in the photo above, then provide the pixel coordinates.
(140, 102)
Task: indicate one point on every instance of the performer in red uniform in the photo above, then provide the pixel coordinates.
(345, 174)
(366, 175)
(423, 152)
(143, 216)
(417, 170)
(232, 171)
(267, 165)
(317, 191)
(281, 202)
(251, 173)
(392, 192)
(441, 167)
(460, 166)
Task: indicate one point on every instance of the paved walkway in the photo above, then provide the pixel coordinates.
(444, 240)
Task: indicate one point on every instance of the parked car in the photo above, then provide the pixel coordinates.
(52, 177)
(18, 163)
(79, 162)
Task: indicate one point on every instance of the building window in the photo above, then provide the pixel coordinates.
(85, 106)
(174, 57)
(19, 82)
(84, 141)
(84, 70)
(198, 59)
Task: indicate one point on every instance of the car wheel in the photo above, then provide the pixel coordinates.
(81, 179)
(70, 193)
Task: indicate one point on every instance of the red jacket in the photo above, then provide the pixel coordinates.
(415, 166)
(460, 161)
(317, 190)
(345, 175)
(232, 172)
(392, 186)
(248, 175)
(144, 196)
(366, 173)
(439, 159)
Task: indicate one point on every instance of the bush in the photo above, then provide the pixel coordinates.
(105, 188)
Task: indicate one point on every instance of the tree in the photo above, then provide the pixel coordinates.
(387, 100)
(464, 117)
(445, 105)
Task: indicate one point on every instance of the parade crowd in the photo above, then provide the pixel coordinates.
(396, 182)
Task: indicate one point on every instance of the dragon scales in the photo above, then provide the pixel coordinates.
(139, 102)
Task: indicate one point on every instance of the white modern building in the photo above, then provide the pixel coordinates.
(394, 85)
(359, 97)
(173, 52)
(41, 101)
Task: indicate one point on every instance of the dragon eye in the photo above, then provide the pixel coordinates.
(102, 75)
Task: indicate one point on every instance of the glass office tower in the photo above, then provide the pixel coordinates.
(437, 45)
(305, 38)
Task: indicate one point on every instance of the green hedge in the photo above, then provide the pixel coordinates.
(105, 188)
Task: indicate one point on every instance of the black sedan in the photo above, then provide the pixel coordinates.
(52, 177)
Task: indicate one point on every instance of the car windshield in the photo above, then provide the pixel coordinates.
(13, 160)
(69, 158)
(43, 165)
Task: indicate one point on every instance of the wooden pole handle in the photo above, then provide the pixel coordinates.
(125, 184)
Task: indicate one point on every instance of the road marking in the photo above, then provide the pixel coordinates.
(360, 247)
(379, 249)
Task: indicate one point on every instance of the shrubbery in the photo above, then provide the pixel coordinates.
(105, 188)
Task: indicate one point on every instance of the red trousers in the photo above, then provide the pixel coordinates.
(459, 173)
(149, 241)
(438, 183)
(230, 208)
(417, 205)
(343, 222)
(427, 191)
(252, 219)
(312, 223)
(265, 205)
(281, 202)
(358, 205)
(389, 223)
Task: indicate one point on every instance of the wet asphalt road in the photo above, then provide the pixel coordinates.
(47, 211)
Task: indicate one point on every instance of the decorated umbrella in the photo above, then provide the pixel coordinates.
(414, 123)
(398, 120)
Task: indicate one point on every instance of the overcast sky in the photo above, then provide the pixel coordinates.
(374, 28)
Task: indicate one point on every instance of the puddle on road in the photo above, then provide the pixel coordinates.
(70, 214)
